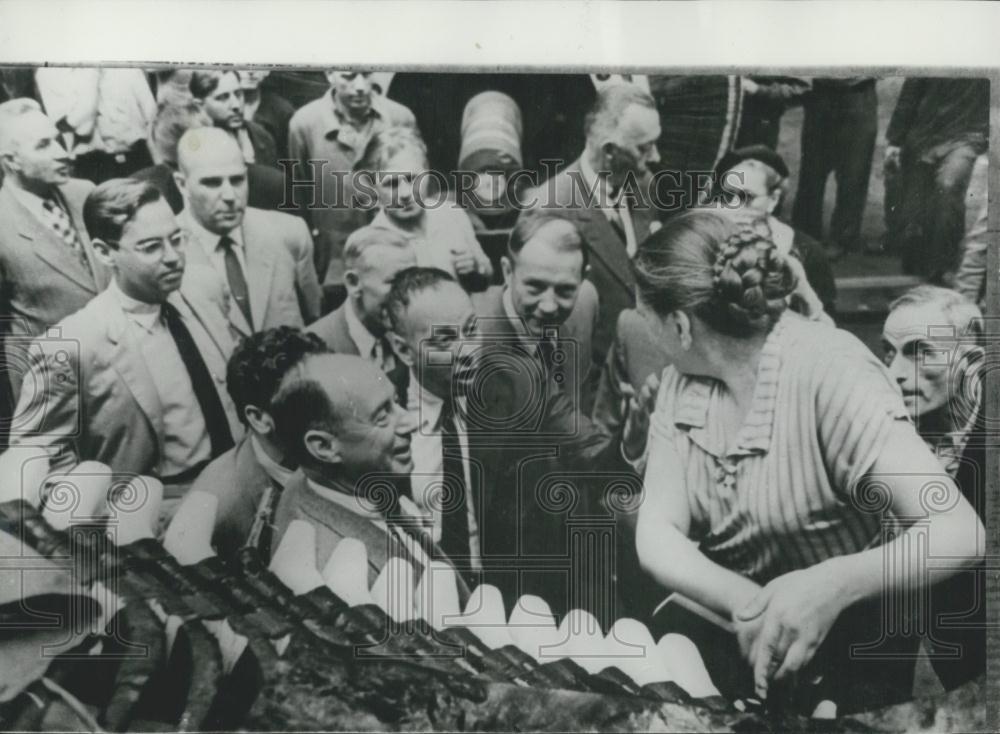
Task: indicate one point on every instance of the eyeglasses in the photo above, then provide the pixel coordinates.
(155, 247)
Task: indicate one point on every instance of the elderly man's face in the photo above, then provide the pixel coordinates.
(225, 104)
(402, 186)
(748, 184)
(369, 282)
(544, 279)
(920, 365)
(353, 89)
(633, 147)
(35, 151)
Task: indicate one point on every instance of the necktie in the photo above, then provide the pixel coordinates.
(201, 381)
(237, 280)
(454, 516)
(60, 222)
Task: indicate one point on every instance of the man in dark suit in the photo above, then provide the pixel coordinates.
(220, 94)
(266, 107)
(372, 256)
(248, 479)
(606, 192)
(545, 291)
(352, 443)
(498, 432)
(265, 258)
(134, 379)
(265, 185)
(48, 269)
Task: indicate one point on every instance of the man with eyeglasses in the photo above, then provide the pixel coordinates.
(136, 378)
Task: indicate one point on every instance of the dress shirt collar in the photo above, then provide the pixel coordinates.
(426, 406)
(209, 241)
(600, 185)
(755, 434)
(272, 468)
(144, 314)
(33, 202)
(363, 339)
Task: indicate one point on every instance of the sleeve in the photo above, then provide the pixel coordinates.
(970, 280)
(607, 412)
(71, 95)
(906, 111)
(856, 406)
(48, 411)
(306, 281)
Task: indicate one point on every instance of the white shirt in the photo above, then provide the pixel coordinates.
(272, 468)
(185, 435)
(618, 210)
(209, 243)
(246, 145)
(116, 106)
(368, 345)
(428, 462)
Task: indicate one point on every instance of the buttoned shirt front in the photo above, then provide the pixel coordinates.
(209, 243)
(614, 208)
(185, 435)
(428, 462)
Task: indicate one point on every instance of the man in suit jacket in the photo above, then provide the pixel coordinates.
(334, 130)
(498, 431)
(606, 192)
(248, 479)
(352, 443)
(250, 249)
(135, 378)
(48, 269)
(265, 185)
(545, 295)
(373, 256)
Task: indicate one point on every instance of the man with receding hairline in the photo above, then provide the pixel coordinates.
(350, 438)
(372, 257)
(48, 268)
(606, 193)
(251, 249)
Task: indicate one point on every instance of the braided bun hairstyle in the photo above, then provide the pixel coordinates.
(726, 272)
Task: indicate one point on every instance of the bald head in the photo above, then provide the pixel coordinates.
(212, 177)
(207, 146)
(337, 410)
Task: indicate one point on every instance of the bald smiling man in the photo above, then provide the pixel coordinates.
(264, 258)
(351, 440)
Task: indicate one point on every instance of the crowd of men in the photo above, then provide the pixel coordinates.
(190, 291)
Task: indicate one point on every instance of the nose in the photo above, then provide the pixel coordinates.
(901, 369)
(547, 303)
(404, 188)
(227, 192)
(654, 154)
(359, 85)
(173, 254)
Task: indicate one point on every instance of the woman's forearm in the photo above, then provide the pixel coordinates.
(901, 566)
(677, 564)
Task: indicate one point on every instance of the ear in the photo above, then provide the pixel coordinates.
(402, 349)
(103, 251)
(260, 421)
(609, 149)
(181, 181)
(506, 268)
(352, 281)
(322, 446)
(682, 322)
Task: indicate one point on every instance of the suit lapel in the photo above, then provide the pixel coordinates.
(127, 360)
(215, 360)
(259, 258)
(100, 274)
(47, 246)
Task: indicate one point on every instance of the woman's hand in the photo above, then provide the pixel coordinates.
(464, 262)
(787, 621)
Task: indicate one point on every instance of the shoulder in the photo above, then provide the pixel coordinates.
(332, 329)
(489, 302)
(396, 113)
(279, 223)
(218, 478)
(558, 189)
(306, 114)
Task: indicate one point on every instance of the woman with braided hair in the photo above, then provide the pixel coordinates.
(783, 475)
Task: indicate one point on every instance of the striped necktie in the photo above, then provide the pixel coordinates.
(60, 222)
